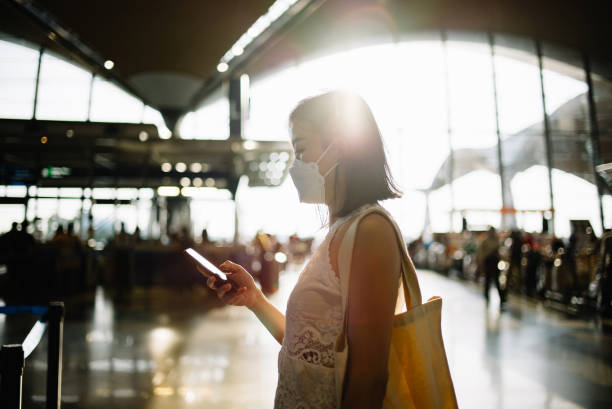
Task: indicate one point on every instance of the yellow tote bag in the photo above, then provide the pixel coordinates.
(418, 369)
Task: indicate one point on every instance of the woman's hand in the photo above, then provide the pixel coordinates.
(244, 292)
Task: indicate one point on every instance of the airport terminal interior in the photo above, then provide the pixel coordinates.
(130, 131)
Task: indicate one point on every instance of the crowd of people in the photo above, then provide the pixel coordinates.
(66, 263)
(575, 271)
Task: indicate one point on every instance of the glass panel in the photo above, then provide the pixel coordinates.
(128, 215)
(478, 195)
(144, 208)
(521, 125)
(187, 126)
(472, 109)
(74, 192)
(212, 120)
(575, 199)
(109, 103)
(9, 214)
(104, 193)
(566, 89)
(69, 209)
(16, 191)
(416, 137)
(216, 216)
(439, 208)
(530, 193)
(104, 221)
(18, 67)
(63, 90)
(271, 100)
(519, 96)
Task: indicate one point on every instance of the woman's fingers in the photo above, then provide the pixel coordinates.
(211, 282)
(238, 297)
(230, 267)
(223, 290)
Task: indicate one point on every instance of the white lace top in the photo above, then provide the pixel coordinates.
(313, 322)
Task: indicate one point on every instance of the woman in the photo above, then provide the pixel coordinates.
(339, 161)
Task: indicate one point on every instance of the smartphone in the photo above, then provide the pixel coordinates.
(221, 277)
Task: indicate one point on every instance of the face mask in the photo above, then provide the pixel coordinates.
(308, 180)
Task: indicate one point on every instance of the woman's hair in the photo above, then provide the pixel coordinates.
(345, 118)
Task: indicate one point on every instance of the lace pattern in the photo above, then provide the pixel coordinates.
(314, 320)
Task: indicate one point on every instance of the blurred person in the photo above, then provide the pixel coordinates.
(136, 236)
(18, 250)
(205, 238)
(67, 260)
(59, 233)
(340, 162)
(488, 259)
(122, 238)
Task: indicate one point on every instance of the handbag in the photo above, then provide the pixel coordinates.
(419, 375)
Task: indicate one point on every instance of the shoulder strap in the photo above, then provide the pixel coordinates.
(412, 292)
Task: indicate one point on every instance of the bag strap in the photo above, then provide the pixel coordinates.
(412, 292)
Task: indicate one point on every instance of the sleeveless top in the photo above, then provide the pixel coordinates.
(314, 318)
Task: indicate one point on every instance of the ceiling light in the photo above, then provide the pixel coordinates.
(166, 167)
(168, 191)
(197, 182)
(108, 64)
(249, 145)
(237, 50)
(70, 133)
(209, 182)
(185, 182)
(43, 139)
(276, 10)
(180, 167)
(143, 136)
(195, 167)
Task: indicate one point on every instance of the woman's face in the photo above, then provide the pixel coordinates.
(308, 146)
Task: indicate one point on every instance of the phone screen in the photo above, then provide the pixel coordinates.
(206, 264)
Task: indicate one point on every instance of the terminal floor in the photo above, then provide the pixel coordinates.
(161, 348)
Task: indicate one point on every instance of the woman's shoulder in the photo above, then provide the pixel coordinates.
(376, 233)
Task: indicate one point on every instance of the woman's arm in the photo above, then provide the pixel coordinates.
(270, 317)
(373, 291)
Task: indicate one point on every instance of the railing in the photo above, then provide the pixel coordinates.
(13, 356)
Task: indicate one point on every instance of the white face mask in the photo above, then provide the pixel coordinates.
(308, 180)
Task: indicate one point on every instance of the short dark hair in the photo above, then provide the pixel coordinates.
(345, 118)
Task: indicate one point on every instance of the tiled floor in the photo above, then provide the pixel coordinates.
(169, 349)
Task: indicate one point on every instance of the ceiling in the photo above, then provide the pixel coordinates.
(340, 24)
(165, 51)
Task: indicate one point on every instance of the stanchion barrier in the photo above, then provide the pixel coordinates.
(12, 357)
(11, 364)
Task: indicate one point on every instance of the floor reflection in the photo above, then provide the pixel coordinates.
(168, 349)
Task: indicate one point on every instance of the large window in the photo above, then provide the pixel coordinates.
(209, 121)
(431, 95)
(18, 67)
(109, 103)
(63, 90)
